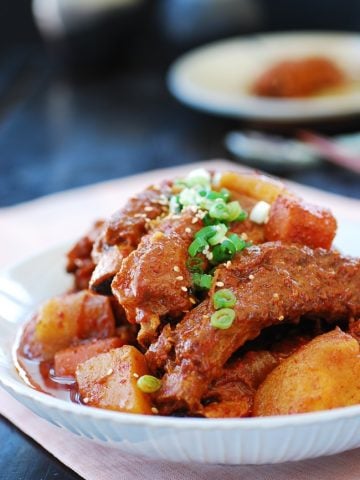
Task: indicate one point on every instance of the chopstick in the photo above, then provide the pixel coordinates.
(332, 151)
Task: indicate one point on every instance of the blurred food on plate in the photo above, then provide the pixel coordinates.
(299, 78)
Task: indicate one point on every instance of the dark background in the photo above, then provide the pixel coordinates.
(94, 106)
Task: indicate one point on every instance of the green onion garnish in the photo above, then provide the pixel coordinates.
(195, 265)
(239, 243)
(223, 318)
(188, 197)
(222, 195)
(234, 211)
(198, 177)
(207, 220)
(196, 246)
(174, 204)
(219, 211)
(148, 384)
(223, 299)
(219, 236)
(242, 216)
(206, 233)
(223, 252)
(202, 280)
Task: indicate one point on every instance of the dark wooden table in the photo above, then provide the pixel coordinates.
(58, 133)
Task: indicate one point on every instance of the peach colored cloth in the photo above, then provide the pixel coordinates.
(31, 227)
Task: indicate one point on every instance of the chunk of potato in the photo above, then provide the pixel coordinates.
(294, 221)
(66, 361)
(253, 185)
(63, 321)
(109, 381)
(323, 374)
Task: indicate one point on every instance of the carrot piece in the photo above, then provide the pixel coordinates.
(66, 361)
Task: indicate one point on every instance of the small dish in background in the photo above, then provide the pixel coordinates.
(271, 152)
(217, 78)
(276, 153)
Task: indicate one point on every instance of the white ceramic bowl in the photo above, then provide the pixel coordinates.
(216, 77)
(225, 441)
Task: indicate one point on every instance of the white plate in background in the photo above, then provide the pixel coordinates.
(216, 77)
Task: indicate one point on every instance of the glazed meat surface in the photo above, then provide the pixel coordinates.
(272, 283)
(79, 260)
(148, 287)
(123, 232)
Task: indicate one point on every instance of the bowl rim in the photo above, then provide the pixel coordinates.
(18, 387)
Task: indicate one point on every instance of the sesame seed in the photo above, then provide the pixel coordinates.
(251, 277)
(219, 284)
(228, 264)
(86, 400)
(148, 209)
(154, 410)
(176, 268)
(192, 300)
(194, 220)
(276, 296)
(184, 289)
(140, 215)
(157, 236)
(180, 277)
(109, 372)
(281, 318)
(209, 255)
(244, 236)
(188, 230)
(135, 375)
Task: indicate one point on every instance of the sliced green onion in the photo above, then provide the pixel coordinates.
(219, 210)
(174, 205)
(212, 195)
(202, 280)
(207, 232)
(195, 265)
(225, 194)
(223, 298)
(234, 210)
(219, 236)
(202, 193)
(187, 197)
(242, 216)
(197, 246)
(200, 177)
(222, 195)
(223, 252)
(239, 243)
(223, 318)
(148, 384)
(207, 220)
